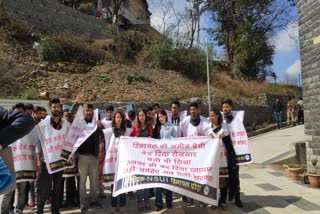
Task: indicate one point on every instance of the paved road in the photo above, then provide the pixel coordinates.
(265, 188)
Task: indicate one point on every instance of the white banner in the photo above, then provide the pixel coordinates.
(188, 166)
(24, 156)
(52, 141)
(110, 159)
(239, 138)
(79, 132)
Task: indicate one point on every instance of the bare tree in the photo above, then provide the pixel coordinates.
(116, 6)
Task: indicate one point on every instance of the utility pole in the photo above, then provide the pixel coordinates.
(208, 77)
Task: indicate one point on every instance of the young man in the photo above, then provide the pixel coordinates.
(44, 113)
(28, 109)
(176, 117)
(227, 106)
(277, 109)
(19, 107)
(110, 112)
(193, 125)
(132, 117)
(151, 116)
(53, 124)
(88, 163)
(156, 108)
(30, 190)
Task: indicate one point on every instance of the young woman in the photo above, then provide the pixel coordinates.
(118, 129)
(142, 129)
(165, 130)
(219, 131)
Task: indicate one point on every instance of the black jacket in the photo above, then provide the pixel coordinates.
(13, 126)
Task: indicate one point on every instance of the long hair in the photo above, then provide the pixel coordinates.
(217, 112)
(163, 112)
(147, 123)
(123, 125)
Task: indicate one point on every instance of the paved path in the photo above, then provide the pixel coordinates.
(265, 188)
(276, 145)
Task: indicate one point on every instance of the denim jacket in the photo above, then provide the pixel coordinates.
(168, 131)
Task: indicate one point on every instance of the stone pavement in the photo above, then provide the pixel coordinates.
(265, 188)
(276, 145)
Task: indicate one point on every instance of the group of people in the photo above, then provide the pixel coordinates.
(293, 111)
(153, 122)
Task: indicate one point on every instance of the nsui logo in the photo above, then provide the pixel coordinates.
(206, 190)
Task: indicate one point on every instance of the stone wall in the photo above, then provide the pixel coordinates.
(309, 31)
(52, 16)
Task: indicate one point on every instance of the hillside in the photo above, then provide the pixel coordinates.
(92, 69)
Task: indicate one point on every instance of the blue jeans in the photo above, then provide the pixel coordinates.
(159, 197)
(278, 116)
(143, 194)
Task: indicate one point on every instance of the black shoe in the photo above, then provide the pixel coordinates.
(169, 206)
(68, 205)
(96, 205)
(84, 210)
(239, 203)
(158, 207)
(203, 204)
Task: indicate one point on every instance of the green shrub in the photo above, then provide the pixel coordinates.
(65, 47)
(191, 62)
(51, 50)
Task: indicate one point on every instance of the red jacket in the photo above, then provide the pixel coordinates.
(135, 131)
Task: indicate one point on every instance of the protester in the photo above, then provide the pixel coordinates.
(156, 108)
(24, 169)
(28, 109)
(300, 111)
(110, 113)
(56, 125)
(219, 130)
(132, 118)
(142, 129)
(277, 109)
(119, 128)
(167, 131)
(227, 106)
(44, 113)
(151, 116)
(176, 116)
(31, 198)
(88, 163)
(107, 121)
(19, 107)
(194, 125)
(14, 125)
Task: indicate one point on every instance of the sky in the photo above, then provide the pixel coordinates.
(286, 60)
